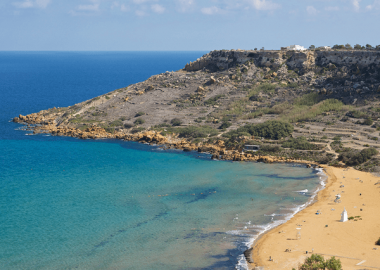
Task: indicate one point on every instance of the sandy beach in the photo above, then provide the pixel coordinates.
(353, 242)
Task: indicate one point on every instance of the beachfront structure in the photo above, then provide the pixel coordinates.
(344, 216)
(252, 148)
(296, 48)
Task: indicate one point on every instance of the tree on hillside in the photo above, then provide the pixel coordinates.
(312, 47)
(338, 47)
(358, 47)
(368, 47)
(348, 46)
(317, 262)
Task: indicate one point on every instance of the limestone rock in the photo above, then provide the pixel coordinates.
(200, 89)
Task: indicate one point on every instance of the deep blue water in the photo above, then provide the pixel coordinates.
(67, 203)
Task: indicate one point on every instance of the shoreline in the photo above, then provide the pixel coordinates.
(40, 125)
(336, 239)
(247, 255)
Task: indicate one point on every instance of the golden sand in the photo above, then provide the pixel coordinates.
(353, 242)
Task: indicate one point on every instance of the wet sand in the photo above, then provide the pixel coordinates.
(353, 242)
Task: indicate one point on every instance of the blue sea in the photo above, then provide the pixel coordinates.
(67, 203)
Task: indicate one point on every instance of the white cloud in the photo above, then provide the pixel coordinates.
(124, 8)
(140, 1)
(263, 4)
(210, 10)
(32, 4)
(331, 8)
(375, 5)
(311, 10)
(26, 4)
(185, 5)
(91, 7)
(115, 5)
(158, 8)
(140, 13)
(356, 4)
(42, 3)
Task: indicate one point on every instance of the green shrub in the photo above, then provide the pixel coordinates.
(163, 125)
(199, 119)
(293, 85)
(270, 148)
(137, 130)
(356, 114)
(213, 100)
(333, 264)
(109, 129)
(225, 125)
(128, 125)
(306, 113)
(123, 118)
(337, 138)
(116, 123)
(99, 113)
(308, 99)
(368, 121)
(353, 158)
(139, 114)
(196, 132)
(300, 143)
(139, 121)
(266, 87)
(176, 122)
(255, 98)
(317, 262)
(273, 129)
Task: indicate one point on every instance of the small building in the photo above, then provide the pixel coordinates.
(252, 148)
(344, 216)
(327, 48)
(296, 48)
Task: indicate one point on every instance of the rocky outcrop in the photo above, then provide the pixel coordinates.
(218, 150)
(301, 60)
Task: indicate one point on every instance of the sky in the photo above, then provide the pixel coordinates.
(184, 25)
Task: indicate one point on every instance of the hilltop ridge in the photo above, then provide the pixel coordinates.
(330, 98)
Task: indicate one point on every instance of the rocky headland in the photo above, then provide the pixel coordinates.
(318, 107)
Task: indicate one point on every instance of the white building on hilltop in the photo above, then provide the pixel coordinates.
(296, 48)
(325, 48)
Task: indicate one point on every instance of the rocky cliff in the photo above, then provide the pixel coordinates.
(302, 60)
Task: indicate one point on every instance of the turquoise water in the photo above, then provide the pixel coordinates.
(83, 204)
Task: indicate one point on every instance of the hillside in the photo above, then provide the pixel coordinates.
(324, 106)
